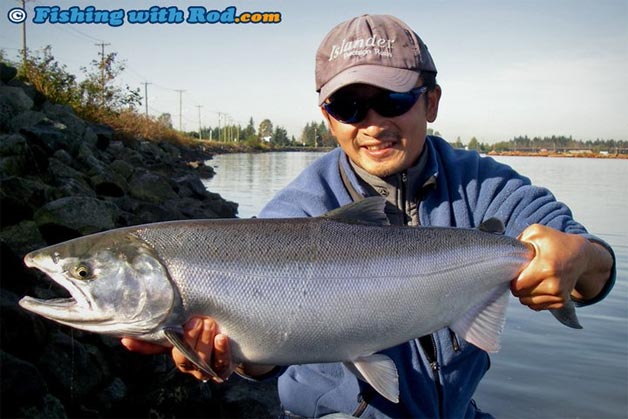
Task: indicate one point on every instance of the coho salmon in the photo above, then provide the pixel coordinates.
(334, 288)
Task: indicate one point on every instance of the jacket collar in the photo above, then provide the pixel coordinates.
(420, 176)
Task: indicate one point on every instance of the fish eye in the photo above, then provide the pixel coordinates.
(82, 271)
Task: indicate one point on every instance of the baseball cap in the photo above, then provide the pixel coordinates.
(379, 50)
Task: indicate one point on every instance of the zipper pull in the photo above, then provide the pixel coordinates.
(454, 341)
(435, 367)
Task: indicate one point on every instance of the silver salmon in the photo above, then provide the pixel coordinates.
(335, 288)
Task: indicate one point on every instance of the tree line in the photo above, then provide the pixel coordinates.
(554, 143)
(314, 134)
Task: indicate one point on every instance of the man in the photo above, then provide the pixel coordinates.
(377, 90)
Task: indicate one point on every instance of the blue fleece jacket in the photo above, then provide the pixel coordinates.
(469, 189)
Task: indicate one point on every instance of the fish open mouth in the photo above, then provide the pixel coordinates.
(61, 309)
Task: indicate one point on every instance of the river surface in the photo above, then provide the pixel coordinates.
(544, 370)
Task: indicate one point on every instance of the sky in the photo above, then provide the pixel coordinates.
(506, 67)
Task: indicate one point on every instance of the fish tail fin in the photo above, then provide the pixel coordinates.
(567, 315)
(483, 324)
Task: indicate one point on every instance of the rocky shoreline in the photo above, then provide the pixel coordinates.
(60, 178)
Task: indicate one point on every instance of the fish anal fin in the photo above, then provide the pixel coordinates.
(175, 336)
(380, 372)
(483, 324)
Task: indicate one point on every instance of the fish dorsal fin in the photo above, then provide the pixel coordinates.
(380, 372)
(492, 225)
(367, 211)
(484, 323)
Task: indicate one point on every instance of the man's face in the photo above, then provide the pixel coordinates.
(385, 145)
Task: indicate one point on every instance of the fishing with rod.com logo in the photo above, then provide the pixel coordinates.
(151, 15)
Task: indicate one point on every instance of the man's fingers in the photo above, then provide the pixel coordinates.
(142, 347)
(222, 356)
(201, 335)
(542, 302)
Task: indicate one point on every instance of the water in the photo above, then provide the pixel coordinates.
(544, 370)
(252, 179)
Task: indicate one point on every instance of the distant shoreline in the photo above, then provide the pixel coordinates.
(228, 148)
(562, 155)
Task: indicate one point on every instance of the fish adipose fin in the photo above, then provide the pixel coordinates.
(484, 323)
(492, 225)
(367, 211)
(175, 336)
(380, 372)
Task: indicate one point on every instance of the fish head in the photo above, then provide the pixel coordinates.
(118, 285)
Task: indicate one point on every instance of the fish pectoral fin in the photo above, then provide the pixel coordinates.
(567, 315)
(175, 336)
(483, 324)
(380, 372)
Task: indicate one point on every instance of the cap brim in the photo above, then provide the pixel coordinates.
(390, 78)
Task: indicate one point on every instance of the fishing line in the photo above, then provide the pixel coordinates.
(72, 367)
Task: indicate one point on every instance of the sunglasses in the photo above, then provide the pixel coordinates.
(346, 108)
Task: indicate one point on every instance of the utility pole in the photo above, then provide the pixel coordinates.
(219, 130)
(24, 53)
(200, 133)
(102, 71)
(146, 96)
(180, 108)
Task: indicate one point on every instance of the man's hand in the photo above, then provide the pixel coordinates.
(564, 266)
(201, 333)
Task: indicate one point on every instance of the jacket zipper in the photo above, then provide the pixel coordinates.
(428, 343)
(403, 187)
(435, 372)
(439, 388)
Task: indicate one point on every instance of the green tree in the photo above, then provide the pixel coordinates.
(165, 119)
(280, 137)
(98, 91)
(249, 132)
(474, 144)
(93, 97)
(51, 78)
(316, 134)
(265, 130)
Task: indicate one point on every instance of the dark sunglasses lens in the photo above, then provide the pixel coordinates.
(394, 104)
(346, 110)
